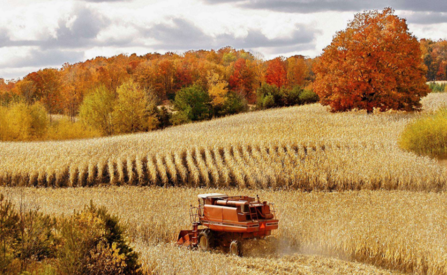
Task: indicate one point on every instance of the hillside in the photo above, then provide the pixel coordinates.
(279, 153)
(303, 147)
(319, 232)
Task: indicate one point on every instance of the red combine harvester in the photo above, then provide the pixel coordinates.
(226, 221)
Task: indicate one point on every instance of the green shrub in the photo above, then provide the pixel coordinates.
(293, 96)
(268, 102)
(308, 96)
(192, 104)
(27, 238)
(233, 104)
(269, 96)
(437, 88)
(427, 135)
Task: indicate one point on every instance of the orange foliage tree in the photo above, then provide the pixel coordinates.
(276, 73)
(241, 80)
(296, 70)
(374, 63)
(435, 58)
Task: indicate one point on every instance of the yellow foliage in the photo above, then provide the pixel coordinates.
(21, 122)
(131, 110)
(217, 89)
(427, 135)
(64, 129)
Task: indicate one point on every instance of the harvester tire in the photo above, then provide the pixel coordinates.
(236, 248)
(206, 240)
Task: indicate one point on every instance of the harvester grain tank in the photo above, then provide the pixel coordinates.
(222, 220)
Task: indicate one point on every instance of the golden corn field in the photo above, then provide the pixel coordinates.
(304, 148)
(372, 223)
(398, 230)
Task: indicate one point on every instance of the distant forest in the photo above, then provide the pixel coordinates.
(62, 91)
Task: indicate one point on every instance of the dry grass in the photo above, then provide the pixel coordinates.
(397, 230)
(303, 148)
(299, 148)
(434, 101)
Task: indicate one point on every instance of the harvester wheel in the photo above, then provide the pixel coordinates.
(236, 248)
(206, 240)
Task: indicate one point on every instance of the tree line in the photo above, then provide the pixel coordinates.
(375, 63)
(126, 94)
(62, 90)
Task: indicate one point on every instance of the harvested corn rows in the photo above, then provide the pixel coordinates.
(397, 230)
(303, 148)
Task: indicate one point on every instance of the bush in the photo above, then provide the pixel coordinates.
(269, 96)
(27, 237)
(9, 233)
(89, 242)
(268, 102)
(233, 104)
(192, 104)
(308, 96)
(164, 117)
(427, 135)
(437, 88)
(91, 237)
(293, 96)
(274, 94)
(64, 129)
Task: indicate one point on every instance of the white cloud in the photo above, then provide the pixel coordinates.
(36, 34)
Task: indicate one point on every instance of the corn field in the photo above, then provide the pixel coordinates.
(305, 148)
(366, 230)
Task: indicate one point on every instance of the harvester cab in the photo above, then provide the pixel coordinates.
(226, 221)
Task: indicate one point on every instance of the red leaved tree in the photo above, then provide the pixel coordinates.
(374, 63)
(276, 72)
(241, 80)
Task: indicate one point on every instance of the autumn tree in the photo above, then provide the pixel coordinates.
(241, 80)
(134, 109)
(296, 70)
(96, 110)
(374, 63)
(217, 89)
(276, 73)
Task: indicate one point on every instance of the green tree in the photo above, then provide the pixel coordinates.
(96, 110)
(234, 103)
(192, 104)
(134, 109)
(269, 96)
